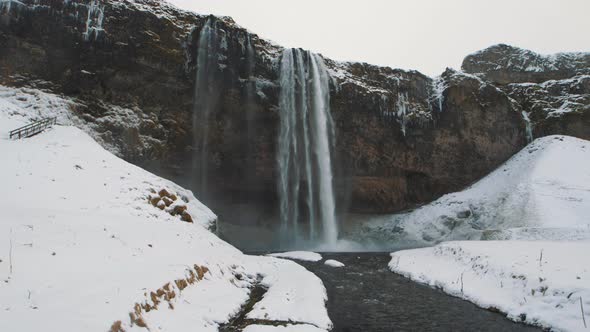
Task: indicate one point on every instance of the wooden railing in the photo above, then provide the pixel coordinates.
(33, 128)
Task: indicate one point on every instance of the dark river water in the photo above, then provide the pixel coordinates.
(365, 296)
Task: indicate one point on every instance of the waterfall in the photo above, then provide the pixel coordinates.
(306, 134)
(528, 127)
(249, 103)
(206, 96)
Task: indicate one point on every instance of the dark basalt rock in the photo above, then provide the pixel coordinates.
(504, 64)
(553, 89)
(402, 138)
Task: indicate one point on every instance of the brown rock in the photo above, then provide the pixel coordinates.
(154, 201)
(168, 201)
(117, 327)
(178, 210)
(164, 193)
(186, 217)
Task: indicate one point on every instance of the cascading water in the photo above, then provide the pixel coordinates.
(206, 94)
(528, 127)
(250, 109)
(304, 156)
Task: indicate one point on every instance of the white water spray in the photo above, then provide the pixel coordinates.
(304, 156)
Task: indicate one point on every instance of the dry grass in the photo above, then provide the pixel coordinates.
(165, 293)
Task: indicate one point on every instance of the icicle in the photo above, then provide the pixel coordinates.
(438, 88)
(402, 110)
(94, 21)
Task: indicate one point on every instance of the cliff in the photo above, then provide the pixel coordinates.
(402, 138)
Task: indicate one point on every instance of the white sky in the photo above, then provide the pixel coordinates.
(427, 35)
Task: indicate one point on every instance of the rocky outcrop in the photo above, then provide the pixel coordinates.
(554, 90)
(504, 64)
(402, 138)
(435, 143)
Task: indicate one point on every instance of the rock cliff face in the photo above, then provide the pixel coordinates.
(402, 138)
(553, 90)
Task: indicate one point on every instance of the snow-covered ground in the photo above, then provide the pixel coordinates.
(83, 248)
(541, 193)
(539, 282)
(299, 255)
(539, 203)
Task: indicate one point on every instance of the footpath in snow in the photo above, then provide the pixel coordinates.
(89, 242)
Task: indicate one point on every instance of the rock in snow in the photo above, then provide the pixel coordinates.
(84, 247)
(538, 282)
(299, 255)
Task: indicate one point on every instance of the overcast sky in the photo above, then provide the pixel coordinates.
(427, 35)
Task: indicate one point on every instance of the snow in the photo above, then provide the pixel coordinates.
(291, 286)
(539, 203)
(543, 192)
(285, 328)
(334, 263)
(299, 255)
(556, 98)
(82, 247)
(538, 282)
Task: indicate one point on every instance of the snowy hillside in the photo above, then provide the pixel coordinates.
(90, 242)
(542, 193)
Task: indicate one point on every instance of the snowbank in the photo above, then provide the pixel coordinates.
(290, 286)
(82, 248)
(299, 255)
(334, 263)
(542, 283)
(543, 192)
